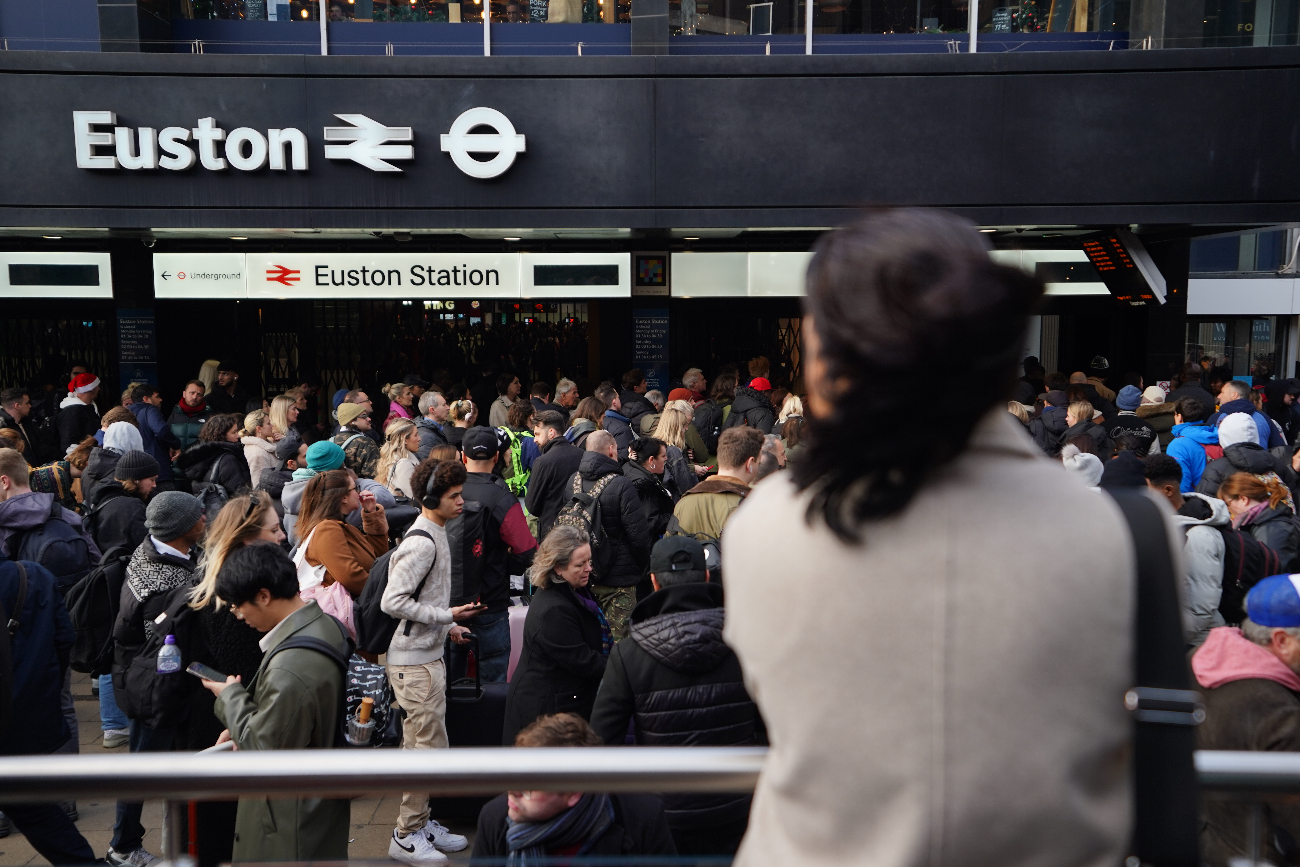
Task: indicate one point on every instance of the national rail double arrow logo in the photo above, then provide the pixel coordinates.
(282, 275)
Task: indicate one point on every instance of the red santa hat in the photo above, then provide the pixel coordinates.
(83, 383)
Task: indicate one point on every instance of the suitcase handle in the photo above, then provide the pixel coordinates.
(460, 690)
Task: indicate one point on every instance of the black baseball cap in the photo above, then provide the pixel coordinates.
(480, 444)
(414, 379)
(677, 554)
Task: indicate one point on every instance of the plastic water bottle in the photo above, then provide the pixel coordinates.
(169, 658)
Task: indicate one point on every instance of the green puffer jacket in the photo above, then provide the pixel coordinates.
(294, 705)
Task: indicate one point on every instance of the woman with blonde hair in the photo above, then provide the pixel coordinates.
(790, 407)
(259, 448)
(208, 374)
(1259, 505)
(399, 397)
(1017, 409)
(284, 414)
(397, 457)
(462, 416)
(226, 644)
(679, 474)
(566, 637)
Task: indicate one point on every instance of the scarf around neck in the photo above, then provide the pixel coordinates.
(580, 825)
(192, 411)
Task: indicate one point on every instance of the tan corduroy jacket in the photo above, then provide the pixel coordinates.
(934, 696)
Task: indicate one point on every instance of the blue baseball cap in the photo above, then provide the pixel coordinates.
(1275, 601)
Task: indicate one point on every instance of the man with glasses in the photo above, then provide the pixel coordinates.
(292, 704)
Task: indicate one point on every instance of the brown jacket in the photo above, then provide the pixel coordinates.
(1161, 417)
(346, 553)
(969, 707)
(706, 507)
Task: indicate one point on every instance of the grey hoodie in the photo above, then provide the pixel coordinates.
(1203, 563)
(30, 510)
(291, 499)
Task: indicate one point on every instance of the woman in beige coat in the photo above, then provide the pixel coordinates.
(259, 449)
(930, 699)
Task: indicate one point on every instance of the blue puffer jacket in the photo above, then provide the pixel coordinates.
(1269, 436)
(1187, 448)
(40, 656)
(157, 435)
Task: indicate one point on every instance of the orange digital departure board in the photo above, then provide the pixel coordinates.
(1110, 255)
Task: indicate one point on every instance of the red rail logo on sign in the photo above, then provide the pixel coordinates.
(282, 275)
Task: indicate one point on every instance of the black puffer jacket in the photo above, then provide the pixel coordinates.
(753, 408)
(634, 407)
(232, 473)
(1101, 440)
(621, 560)
(1276, 528)
(116, 517)
(1243, 458)
(656, 502)
(1047, 428)
(99, 469)
(683, 686)
(273, 482)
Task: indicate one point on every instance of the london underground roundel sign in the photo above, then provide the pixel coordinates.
(504, 142)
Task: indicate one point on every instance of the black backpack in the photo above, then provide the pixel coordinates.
(583, 512)
(56, 545)
(92, 606)
(1246, 561)
(467, 535)
(375, 628)
(9, 623)
(712, 548)
(342, 660)
(211, 493)
(708, 421)
(144, 695)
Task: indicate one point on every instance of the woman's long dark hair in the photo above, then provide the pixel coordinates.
(899, 299)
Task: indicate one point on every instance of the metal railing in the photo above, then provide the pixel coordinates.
(216, 775)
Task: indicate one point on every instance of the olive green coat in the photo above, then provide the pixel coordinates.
(294, 705)
(706, 507)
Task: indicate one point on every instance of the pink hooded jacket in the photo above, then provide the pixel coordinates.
(1227, 655)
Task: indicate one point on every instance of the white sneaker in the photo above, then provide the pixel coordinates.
(442, 838)
(416, 849)
(136, 858)
(114, 738)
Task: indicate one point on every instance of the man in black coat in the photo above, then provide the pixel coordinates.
(632, 397)
(429, 423)
(116, 517)
(78, 418)
(550, 483)
(683, 686)
(752, 407)
(15, 406)
(539, 825)
(619, 559)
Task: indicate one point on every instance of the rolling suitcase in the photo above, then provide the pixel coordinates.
(476, 717)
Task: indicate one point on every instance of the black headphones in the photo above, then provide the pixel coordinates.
(429, 501)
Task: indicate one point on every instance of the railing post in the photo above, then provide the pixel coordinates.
(175, 819)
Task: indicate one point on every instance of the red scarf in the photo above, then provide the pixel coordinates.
(191, 412)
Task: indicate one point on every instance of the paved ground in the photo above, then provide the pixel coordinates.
(372, 818)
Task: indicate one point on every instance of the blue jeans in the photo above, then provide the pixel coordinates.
(493, 656)
(110, 715)
(128, 833)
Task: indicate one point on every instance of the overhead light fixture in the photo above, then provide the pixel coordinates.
(238, 238)
(988, 230)
(52, 237)
(690, 239)
(512, 239)
(305, 13)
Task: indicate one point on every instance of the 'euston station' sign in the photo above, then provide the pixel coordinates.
(392, 275)
(365, 141)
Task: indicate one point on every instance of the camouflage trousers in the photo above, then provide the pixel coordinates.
(616, 603)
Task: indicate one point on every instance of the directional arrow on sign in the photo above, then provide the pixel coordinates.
(165, 275)
(368, 143)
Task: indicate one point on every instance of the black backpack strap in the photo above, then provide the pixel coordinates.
(419, 588)
(1166, 708)
(21, 600)
(307, 642)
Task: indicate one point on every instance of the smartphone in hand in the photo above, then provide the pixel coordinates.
(205, 672)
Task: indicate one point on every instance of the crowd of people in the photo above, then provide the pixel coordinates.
(289, 553)
(598, 517)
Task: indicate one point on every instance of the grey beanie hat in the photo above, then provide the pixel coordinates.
(170, 514)
(135, 465)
